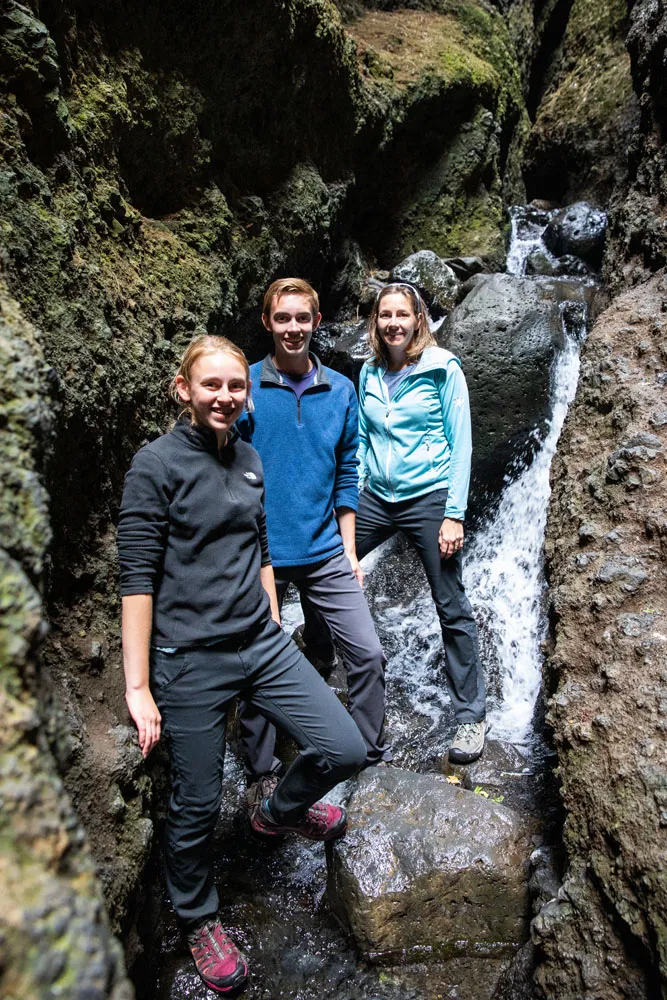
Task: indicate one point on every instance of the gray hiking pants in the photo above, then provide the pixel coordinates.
(193, 689)
(420, 520)
(332, 590)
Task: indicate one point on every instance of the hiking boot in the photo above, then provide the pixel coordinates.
(263, 788)
(217, 959)
(468, 743)
(321, 822)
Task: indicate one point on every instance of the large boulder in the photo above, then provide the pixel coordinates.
(578, 230)
(432, 276)
(507, 332)
(430, 871)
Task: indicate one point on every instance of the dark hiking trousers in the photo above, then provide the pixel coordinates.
(331, 588)
(193, 689)
(420, 520)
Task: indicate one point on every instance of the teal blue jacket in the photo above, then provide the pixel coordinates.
(420, 440)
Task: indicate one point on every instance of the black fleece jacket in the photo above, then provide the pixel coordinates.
(192, 532)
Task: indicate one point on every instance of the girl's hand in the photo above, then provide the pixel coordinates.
(146, 717)
(450, 537)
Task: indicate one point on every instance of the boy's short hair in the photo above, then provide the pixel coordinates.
(290, 286)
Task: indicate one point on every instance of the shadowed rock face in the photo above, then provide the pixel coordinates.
(429, 871)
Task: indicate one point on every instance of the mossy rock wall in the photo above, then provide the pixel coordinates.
(585, 105)
(446, 161)
(159, 165)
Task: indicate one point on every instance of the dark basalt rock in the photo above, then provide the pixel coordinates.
(506, 332)
(578, 230)
(435, 280)
(429, 871)
(343, 346)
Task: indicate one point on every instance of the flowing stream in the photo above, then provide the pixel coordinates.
(273, 896)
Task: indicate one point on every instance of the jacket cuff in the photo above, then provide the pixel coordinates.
(348, 498)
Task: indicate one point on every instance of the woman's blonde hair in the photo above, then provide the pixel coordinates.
(422, 338)
(197, 348)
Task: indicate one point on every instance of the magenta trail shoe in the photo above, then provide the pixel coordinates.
(321, 822)
(217, 959)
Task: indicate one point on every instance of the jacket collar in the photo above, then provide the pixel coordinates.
(431, 359)
(269, 374)
(201, 438)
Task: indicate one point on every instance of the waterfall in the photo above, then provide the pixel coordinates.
(527, 229)
(503, 576)
(503, 566)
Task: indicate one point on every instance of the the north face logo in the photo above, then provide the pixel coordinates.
(250, 475)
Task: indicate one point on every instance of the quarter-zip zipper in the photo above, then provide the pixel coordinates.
(385, 391)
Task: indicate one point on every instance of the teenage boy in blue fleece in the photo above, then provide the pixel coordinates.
(305, 428)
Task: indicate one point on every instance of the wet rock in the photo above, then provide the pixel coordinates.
(506, 332)
(344, 346)
(465, 267)
(435, 280)
(541, 262)
(428, 870)
(578, 230)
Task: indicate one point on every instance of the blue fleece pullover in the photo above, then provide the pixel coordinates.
(308, 449)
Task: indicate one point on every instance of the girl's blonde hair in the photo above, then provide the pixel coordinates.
(422, 338)
(197, 348)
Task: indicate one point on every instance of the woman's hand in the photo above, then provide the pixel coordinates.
(450, 537)
(146, 717)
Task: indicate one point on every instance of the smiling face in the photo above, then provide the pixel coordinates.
(396, 324)
(291, 323)
(216, 391)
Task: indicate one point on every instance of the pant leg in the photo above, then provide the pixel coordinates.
(193, 690)
(420, 520)
(316, 633)
(332, 588)
(258, 735)
(289, 691)
(374, 523)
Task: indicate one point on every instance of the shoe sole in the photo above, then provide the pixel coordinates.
(464, 758)
(332, 835)
(237, 981)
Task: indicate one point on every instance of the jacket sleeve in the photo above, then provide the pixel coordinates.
(453, 393)
(346, 490)
(363, 430)
(143, 524)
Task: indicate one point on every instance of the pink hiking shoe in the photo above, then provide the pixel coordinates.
(217, 959)
(321, 822)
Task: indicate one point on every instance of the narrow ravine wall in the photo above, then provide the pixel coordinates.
(604, 937)
(159, 167)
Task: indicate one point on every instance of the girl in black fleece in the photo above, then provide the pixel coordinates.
(200, 626)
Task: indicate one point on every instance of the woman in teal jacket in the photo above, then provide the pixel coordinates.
(414, 461)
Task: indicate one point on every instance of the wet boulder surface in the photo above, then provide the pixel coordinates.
(506, 332)
(578, 231)
(435, 280)
(429, 871)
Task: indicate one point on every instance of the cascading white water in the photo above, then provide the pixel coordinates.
(528, 228)
(503, 567)
(503, 574)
